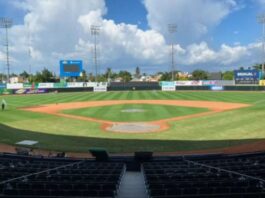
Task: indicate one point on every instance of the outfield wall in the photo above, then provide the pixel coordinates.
(120, 86)
(206, 85)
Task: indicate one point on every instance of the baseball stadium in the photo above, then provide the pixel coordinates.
(169, 134)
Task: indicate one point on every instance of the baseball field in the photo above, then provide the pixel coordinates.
(183, 121)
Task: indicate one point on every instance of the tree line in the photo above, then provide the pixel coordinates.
(124, 76)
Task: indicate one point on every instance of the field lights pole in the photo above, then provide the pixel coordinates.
(6, 23)
(261, 20)
(95, 32)
(29, 50)
(172, 28)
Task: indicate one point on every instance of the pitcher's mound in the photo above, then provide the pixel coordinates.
(133, 127)
(132, 110)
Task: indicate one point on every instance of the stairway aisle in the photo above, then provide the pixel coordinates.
(132, 185)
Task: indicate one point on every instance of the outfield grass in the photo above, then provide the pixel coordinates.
(64, 134)
(147, 112)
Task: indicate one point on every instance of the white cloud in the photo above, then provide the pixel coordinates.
(61, 30)
(194, 18)
(228, 55)
(200, 54)
(54, 29)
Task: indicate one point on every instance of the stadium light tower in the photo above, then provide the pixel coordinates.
(172, 28)
(29, 48)
(6, 23)
(95, 30)
(261, 20)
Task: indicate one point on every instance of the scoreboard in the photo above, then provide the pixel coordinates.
(247, 76)
(71, 68)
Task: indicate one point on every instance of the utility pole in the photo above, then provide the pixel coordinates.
(261, 20)
(6, 23)
(172, 28)
(95, 30)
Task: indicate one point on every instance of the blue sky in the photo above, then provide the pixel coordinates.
(241, 26)
(212, 34)
(128, 11)
(10, 11)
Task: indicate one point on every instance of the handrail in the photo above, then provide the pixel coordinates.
(225, 170)
(46, 170)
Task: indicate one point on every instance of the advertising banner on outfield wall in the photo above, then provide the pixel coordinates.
(189, 83)
(96, 84)
(46, 85)
(217, 88)
(262, 82)
(75, 84)
(167, 83)
(168, 88)
(218, 82)
(209, 82)
(6, 91)
(59, 85)
(20, 91)
(14, 86)
(90, 84)
(104, 84)
(29, 85)
(30, 91)
(2, 86)
(36, 91)
(247, 76)
(100, 89)
(225, 82)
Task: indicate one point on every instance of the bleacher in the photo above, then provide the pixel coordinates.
(221, 177)
(38, 177)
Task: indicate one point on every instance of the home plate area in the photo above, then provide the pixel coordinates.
(133, 127)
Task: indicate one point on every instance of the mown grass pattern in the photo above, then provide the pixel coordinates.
(63, 134)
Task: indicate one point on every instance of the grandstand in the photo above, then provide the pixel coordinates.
(214, 175)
